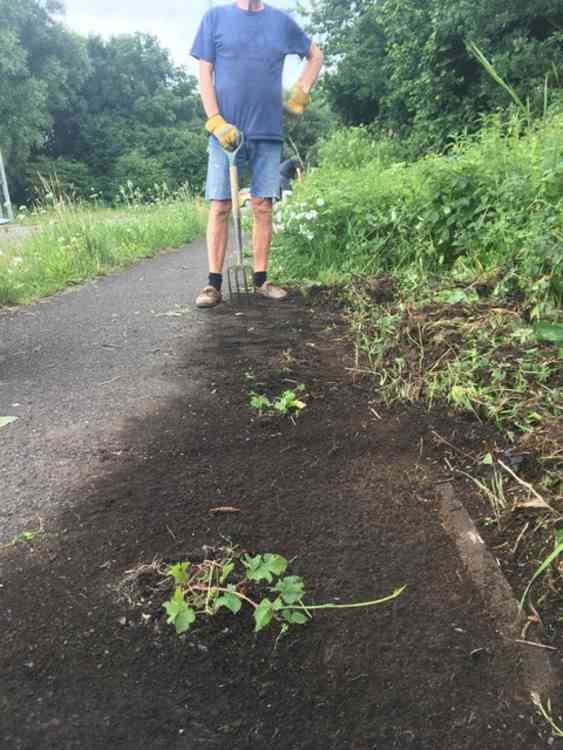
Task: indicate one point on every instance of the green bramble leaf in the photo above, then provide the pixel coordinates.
(263, 615)
(291, 589)
(488, 460)
(230, 600)
(174, 605)
(252, 565)
(184, 620)
(179, 613)
(293, 617)
(280, 406)
(288, 401)
(259, 403)
(178, 571)
(276, 563)
(264, 567)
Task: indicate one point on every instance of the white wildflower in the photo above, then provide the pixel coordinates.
(320, 202)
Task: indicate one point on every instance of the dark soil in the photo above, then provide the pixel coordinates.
(347, 492)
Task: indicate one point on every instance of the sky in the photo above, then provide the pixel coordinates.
(174, 22)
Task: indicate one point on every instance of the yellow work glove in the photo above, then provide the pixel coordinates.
(227, 135)
(298, 100)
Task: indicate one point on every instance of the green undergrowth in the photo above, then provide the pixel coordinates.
(475, 353)
(493, 204)
(74, 242)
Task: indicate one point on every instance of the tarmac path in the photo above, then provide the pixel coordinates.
(77, 365)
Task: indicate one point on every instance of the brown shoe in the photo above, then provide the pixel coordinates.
(270, 291)
(208, 297)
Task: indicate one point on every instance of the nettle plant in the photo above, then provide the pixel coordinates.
(259, 582)
(286, 404)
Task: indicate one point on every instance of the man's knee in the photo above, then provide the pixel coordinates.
(262, 209)
(220, 210)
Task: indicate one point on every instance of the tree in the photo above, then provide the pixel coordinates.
(403, 64)
(89, 110)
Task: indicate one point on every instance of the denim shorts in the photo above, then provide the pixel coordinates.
(263, 158)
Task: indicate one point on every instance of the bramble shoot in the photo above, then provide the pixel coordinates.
(259, 582)
(287, 403)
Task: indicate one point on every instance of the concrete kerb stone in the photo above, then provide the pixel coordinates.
(538, 674)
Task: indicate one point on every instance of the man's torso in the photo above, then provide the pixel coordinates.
(250, 48)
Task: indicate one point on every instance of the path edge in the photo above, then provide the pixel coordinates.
(537, 672)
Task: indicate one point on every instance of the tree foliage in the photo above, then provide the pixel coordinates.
(404, 63)
(94, 112)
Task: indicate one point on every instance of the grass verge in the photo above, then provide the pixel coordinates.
(75, 242)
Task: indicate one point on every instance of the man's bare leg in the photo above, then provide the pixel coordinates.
(261, 241)
(217, 238)
(261, 232)
(218, 234)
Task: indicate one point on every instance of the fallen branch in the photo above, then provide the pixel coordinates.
(533, 643)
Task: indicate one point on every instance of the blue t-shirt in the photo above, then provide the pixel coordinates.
(248, 49)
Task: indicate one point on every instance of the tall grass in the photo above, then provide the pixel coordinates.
(76, 241)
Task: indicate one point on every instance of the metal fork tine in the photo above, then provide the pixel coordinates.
(240, 281)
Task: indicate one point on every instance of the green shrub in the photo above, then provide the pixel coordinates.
(71, 177)
(493, 203)
(141, 170)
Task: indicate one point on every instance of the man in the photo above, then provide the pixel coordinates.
(241, 50)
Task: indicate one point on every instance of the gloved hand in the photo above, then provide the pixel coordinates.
(298, 100)
(227, 135)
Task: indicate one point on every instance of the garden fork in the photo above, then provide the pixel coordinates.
(240, 276)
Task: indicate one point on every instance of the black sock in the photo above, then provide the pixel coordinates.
(215, 280)
(259, 278)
